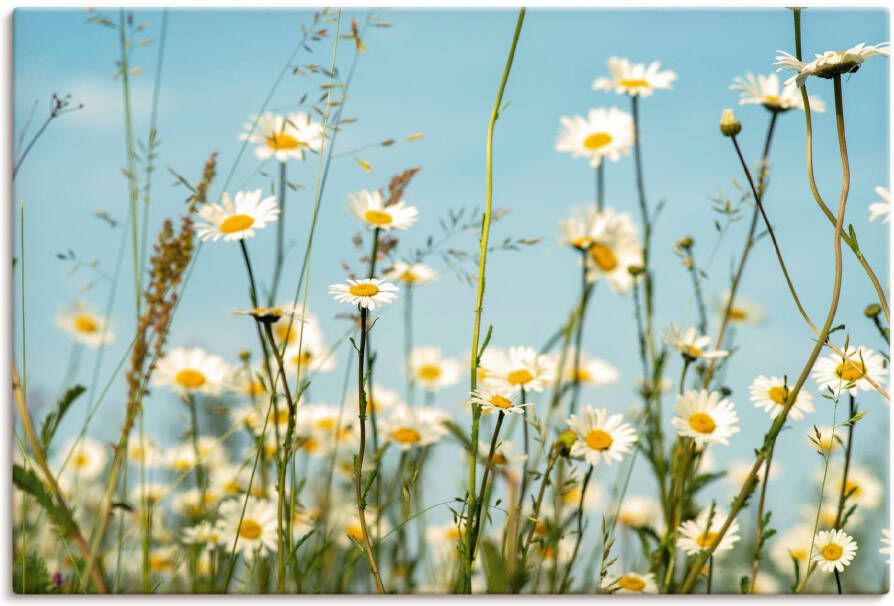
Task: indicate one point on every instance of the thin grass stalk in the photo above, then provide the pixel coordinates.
(579, 516)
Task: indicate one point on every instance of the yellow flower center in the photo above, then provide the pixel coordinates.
(582, 242)
(777, 394)
(597, 141)
(737, 314)
(634, 83)
(310, 445)
(409, 276)
(692, 351)
(631, 583)
(706, 539)
(366, 289)
(832, 551)
(519, 377)
(499, 459)
(571, 497)
(81, 460)
(406, 435)
(850, 370)
(852, 489)
(583, 375)
(160, 563)
(355, 531)
(326, 423)
(429, 372)
(598, 439)
(284, 333)
(378, 217)
(798, 554)
(190, 378)
(702, 423)
(86, 324)
(236, 223)
(249, 529)
(541, 527)
(281, 141)
(500, 401)
(254, 388)
(604, 257)
(302, 359)
(232, 487)
(773, 99)
(452, 533)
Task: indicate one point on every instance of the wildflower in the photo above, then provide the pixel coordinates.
(255, 534)
(631, 582)
(327, 427)
(492, 397)
(638, 511)
(311, 355)
(743, 310)
(443, 539)
(432, 370)
(604, 133)
(85, 325)
(86, 457)
(572, 491)
(408, 427)
(600, 436)
(272, 315)
(366, 293)
(696, 535)
(793, 544)
(770, 393)
(153, 492)
(283, 138)
(505, 455)
(190, 505)
(410, 273)
(236, 218)
(370, 207)
(704, 417)
(204, 534)
(824, 439)
(765, 90)
(188, 371)
(590, 371)
(729, 125)
(861, 489)
(520, 368)
(614, 249)
(379, 399)
(553, 558)
(290, 326)
(882, 208)
(739, 471)
(690, 344)
(347, 523)
(849, 373)
(886, 542)
(635, 79)
(830, 63)
(143, 451)
(834, 550)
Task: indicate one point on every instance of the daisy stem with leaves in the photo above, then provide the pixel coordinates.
(844, 493)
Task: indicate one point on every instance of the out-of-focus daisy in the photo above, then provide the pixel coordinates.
(770, 394)
(828, 511)
(378, 399)
(204, 534)
(705, 417)
(236, 218)
(744, 311)
(415, 273)
(190, 505)
(506, 456)
(283, 138)
(520, 368)
(614, 248)
(181, 458)
(443, 539)
(326, 427)
(432, 370)
(601, 436)
(635, 79)
(739, 471)
(830, 63)
(188, 371)
(367, 293)
(551, 557)
(696, 535)
(765, 90)
(792, 543)
(644, 385)
(886, 544)
(631, 582)
(346, 522)
(493, 397)
(576, 231)
(862, 488)
(604, 133)
(572, 491)
(834, 550)
(590, 371)
(85, 325)
(638, 511)
(882, 208)
(153, 492)
(256, 531)
(409, 427)
(310, 355)
(827, 440)
(144, 452)
(249, 383)
(849, 373)
(690, 344)
(369, 207)
(86, 458)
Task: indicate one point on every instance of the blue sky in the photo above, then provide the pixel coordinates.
(436, 72)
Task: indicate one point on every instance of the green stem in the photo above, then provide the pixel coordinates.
(280, 236)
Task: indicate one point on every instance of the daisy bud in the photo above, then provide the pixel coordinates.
(685, 243)
(872, 310)
(565, 441)
(244, 355)
(729, 126)
(635, 270)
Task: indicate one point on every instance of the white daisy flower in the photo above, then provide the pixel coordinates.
(189, 503)
(705, 417)
(827, 441)
(744, 311)
(882, 208)
(690, 343)
(638, 511)
(255, 534)
(830, 63)
(793, 543)
(505, 455)
(204, 534)
(311, 355)
(770, 394)
(86, 458)
(188, 371)
(886, 542)
(695, 535)
(410, 273)
(369, 207)
(571, 493)
(828, 511)
(283, 138)
(604, 133)
(631, 582)
(738, 471)
(495, 397)
(576, 231)
(635, 79)
(327, 428)
(378, 399)
(590, 371)
(849, 373)
(432, 370)
(366, 293)
(85, 326)
(144, 452)
(862, 488)
(408, 427)
(613, 249)
(551, 557)
(600, 436)
(236, 218)
(834, 550)
(520, 368)
(765, 90)
(443, 539)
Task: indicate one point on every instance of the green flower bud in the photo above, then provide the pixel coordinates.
(729, 126)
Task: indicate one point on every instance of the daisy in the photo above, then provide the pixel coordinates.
(770, 394)
(739, 471)
(830, 63)
(834, 550)
(410, 273)
(695, 535)
(635, 79)
(189, 371)
(85, 326)
(204, 534)
(590, 371)
(704, 417)
(631, 582)
(408, 427)
(505, 456)
(743, 310)
(378, 399)
(575, 230)
(849, 373)
(86, 457)
(520, 368)
(443, 540)
(886, 541)
(765, 90)
(604, 133)
(432, 370)
(312, 355)
(346, 521)
(613, 249)
(862, 488)
(793, 544)
(144, 452)
(553, 558)
(236, 218)
(366, 293)
(255, 534)
(827, 440)
(638, 511)
(292, 326)
(571, 494)
(326, 427)
(369, 207)
(690, 344)
(882, 208)
(493, 397)
(189, 503)
(283, 138)
(600, 436)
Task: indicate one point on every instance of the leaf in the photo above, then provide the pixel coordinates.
(27, 481)
(494, 568)
(52, 420)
